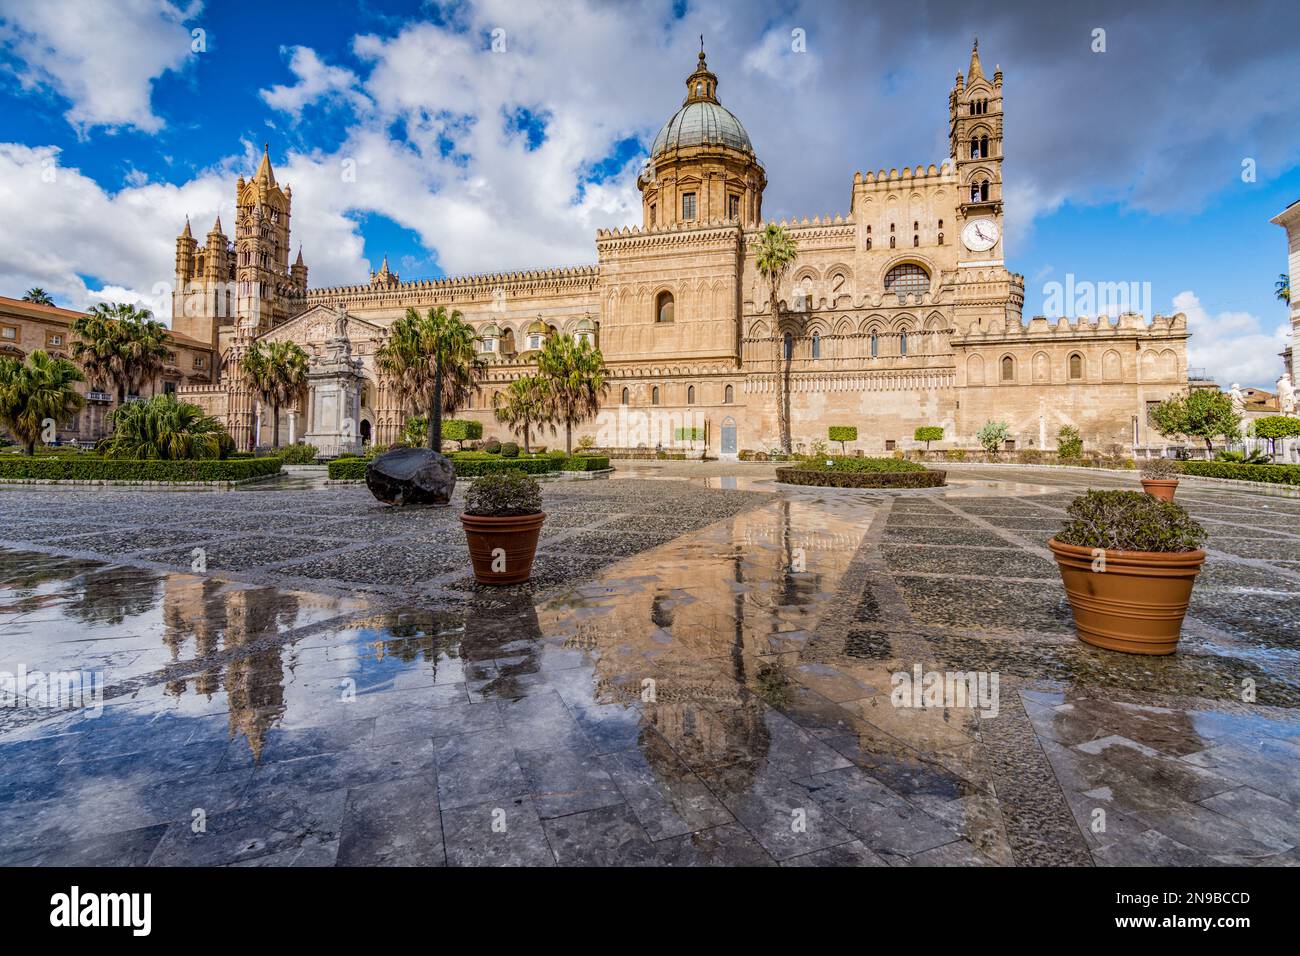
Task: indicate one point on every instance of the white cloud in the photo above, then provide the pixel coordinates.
(316, 81)
(102, 57)
(1232, 346)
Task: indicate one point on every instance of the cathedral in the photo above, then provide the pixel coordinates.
(899, 313)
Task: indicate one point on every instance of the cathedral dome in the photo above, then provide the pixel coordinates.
(702, 120)
(702, 123)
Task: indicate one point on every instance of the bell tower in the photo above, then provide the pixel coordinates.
(975, 146)
(265, 282)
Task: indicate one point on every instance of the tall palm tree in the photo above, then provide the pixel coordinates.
(37, 296)
(162, 427)
(522, 405)
(774, 254)
(277, 371)
(433, 362)
(120, 345)
(572, 373)
(1282, 287)
(37, 391)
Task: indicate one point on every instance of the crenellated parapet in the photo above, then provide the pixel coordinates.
(529, 282)
(1082, 329)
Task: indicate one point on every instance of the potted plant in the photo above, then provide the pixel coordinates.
(1160, 478)
(1128, 562)
(503, 517)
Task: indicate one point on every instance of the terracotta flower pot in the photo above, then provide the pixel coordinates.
(1132, 601)
(502, 549)
(1162, 488)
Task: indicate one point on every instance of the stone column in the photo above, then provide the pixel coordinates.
(335, 381)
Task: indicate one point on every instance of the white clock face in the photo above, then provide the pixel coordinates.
(980, 235)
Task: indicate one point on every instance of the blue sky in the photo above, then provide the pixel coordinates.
(1122, 165)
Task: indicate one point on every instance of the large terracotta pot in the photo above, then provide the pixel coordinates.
(516, 536)
(1162, 488)
(1136, 604)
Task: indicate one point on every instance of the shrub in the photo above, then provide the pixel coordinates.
(506, 494)
(415, 431)
(1069, 445)
(586, 443)
(1129, 521)
(927, 434)
(992, 436)
(1030, 456)
(95, 468)
(842, 463)
(1271, 474)
(1160, 469)
(299, 453)
(585, 463)
(473, 467)
(492, 447)
(842, 433)
(162, 427)
(1243, 457)
(348, 469)
(916, 477)
(509, 450)
(461, 429)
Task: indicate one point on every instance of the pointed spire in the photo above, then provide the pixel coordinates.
(216, 227)
(702, 85)
(264, 173)
(186, 234)
(976, 72)
(383, 266)
(298, 261)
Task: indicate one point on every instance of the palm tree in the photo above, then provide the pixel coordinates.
(1282, 287)
(522, 405)
(37, 296)
(121, 345)
(163, 427)
(432, 356)
(36, 392)
(774, 254)
(277, 371)
(572, 374)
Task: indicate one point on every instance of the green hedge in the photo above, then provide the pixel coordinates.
(586, 463)
(1272, 474)
(94, 468)
(826, 478)
(461, 429)
(348, 469)
(473, 467)
(843, 463)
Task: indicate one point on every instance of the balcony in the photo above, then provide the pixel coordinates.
(98, 397)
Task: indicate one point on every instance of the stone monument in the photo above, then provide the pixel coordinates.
(334, 381)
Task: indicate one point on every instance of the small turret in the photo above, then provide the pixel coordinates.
(298, 272)
(186, 246)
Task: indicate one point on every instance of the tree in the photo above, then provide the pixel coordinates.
(1203, 414)
(37, 296)
(277, 372)
(36, 393)
(1274, 427)
(927, 434)
(1282, 287)
(842, 434)
(993, 435)
(522, 406)
(572, 373)
(162, 427)
(120, 345)
(774, 254)
(1069, 445)
(433, 362)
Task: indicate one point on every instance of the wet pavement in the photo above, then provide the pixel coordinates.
(702, 672)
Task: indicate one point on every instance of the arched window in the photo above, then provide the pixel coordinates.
(788, 346)
(690, 395)
(1008, 369)
(916, 241)
(940, 238)
(626, 395)
(816, 345)
(1076, 365)
(893, 242)
(728, 396)
(902, 344)
(974, 148)
(586, 332)
(664, 307)
(875, 345)
(907, 278)
(654, 395)
(868, 242)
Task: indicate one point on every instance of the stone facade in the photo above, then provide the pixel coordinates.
(898, 314)
(1289, 383)
(25, 327)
